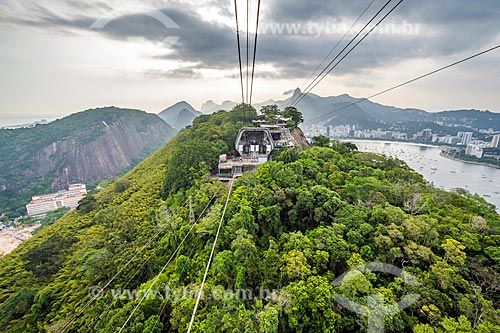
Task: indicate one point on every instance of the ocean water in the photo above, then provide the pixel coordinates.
(442, 172)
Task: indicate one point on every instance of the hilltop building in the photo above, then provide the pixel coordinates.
(45, 203)
(255, 146)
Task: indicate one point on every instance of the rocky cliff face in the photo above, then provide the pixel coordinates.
(86, 147)
(300, 139)
(120, 145)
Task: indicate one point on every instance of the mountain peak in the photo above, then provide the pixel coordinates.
(178, 107)
(297, 93)
(345, 95)
(179, 115)
(210, 106)
(182, 105)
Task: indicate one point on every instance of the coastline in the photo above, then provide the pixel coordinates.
(444, 177)
(468, 162)
(392, 142)
(441, 147)
(12, 237)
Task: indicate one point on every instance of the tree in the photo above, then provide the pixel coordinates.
(16, 305)
(454, 252)
(122, 185)
(453, 326)
(270, 110)
(446, 275)
(88, 204)
(344, 147)
(268, 320)
(423, 328)
(42, 303)
(321, 141)
(271, 113)
(244, 112)
(287, 155)
(294, 114)
(296, 266)
(480, 224)
(153, 325)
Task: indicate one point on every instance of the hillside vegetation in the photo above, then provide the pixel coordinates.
(85, 147)
(294, 226)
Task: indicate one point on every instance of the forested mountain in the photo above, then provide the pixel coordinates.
(179, 115)
(85, 147)
(472, 118)
(294, 226)
(370, 115)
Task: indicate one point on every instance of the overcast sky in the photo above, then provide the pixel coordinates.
(62, 56)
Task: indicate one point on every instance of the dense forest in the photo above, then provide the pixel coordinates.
(293, 227)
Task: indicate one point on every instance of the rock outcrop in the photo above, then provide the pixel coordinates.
(86, 147)
(299, 139)
(118, 148)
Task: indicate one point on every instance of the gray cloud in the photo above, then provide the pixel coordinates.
(443, 11)
(175, 73)
(284, 10)
(99, 5)
(448, 27)
(36, 15)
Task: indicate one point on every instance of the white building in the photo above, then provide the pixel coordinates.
(465, 137)
(427, 134)
(496, 141)
(474, 150)
(45, 203)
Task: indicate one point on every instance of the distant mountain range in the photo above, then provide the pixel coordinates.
(370, 115)
(211, 107)
(85, 147)
(29, 125)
